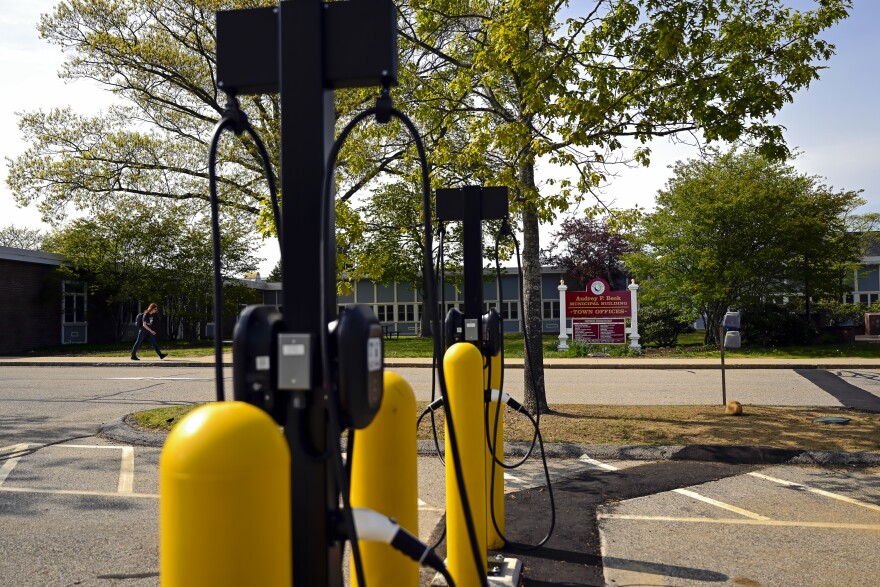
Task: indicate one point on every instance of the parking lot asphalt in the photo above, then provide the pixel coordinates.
(694, 515)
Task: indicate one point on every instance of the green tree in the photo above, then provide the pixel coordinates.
(500, 86)
(158, 58)
(21, 237)
(734, 229)
(390, 247)
(156, 253)
(496, 87)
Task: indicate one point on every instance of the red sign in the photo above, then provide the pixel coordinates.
(599, 331)
(598, 302)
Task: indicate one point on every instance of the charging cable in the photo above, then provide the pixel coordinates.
(235, 120)
(384, 111)
(371, 525)
(499, 396)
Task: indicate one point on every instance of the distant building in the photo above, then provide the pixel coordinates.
(399, 305)
(40, 307)
(866, 279)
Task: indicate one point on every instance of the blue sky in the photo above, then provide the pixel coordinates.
(835, 122)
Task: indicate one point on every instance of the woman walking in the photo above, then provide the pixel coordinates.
(144, 323)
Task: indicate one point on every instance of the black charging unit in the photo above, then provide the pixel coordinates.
(303, 49)
(471, 205)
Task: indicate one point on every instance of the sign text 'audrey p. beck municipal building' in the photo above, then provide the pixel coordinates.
(598, 302)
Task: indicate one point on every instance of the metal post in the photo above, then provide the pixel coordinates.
(563, 319)
(472, 229)
(721, 334)
(303, 49)
(307, 125)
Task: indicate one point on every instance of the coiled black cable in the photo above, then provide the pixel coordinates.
(383, 112)
(235, 120)
(506, 230)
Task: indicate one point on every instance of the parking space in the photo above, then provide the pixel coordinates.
(94, 468)
(781, 525)
(763, 526)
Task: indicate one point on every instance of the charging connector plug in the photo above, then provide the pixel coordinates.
(384, 106)
(495, 395)
(377, 527)
(238, 119)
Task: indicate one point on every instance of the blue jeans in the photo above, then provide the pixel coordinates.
(144, 334)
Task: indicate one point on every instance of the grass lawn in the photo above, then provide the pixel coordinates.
(689, 346)
(123, 349)
(778, 427)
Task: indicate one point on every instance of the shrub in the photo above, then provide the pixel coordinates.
(661, 326)
(771, 325)
(580, 349)
(837, 314)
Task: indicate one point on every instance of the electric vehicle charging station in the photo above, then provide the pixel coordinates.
(315, 373)
(471, 205)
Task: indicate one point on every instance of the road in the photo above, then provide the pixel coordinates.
(76, 509)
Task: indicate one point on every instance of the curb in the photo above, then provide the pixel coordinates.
(142, 363)
(120, 431)
(406, 365)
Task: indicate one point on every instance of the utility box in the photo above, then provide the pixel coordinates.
(872, 323)
(731, 320)
(732, 340)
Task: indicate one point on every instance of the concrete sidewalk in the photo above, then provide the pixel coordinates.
(175, 360)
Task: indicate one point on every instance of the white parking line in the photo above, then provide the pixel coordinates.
(77, 492)
(599, 464)
(686, 492)
(12, 448)
(742, 522)
(126, 471)
(126, 466)
(720, 504)
(7, 467)
(822, 492)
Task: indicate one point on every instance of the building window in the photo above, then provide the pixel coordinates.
(510, 310)
(551, 309)
(74, 301)
(385, 312)
(406, 312)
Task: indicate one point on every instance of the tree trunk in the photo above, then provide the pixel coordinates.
(535, 395)
(424, 323)
(713, 316)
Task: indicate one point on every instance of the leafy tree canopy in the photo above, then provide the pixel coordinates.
(586, 248)
(21, 237)
(495, 86)
(734, 228)
(160, 252)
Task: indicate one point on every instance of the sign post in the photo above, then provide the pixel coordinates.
(563, 318)
(634, 337)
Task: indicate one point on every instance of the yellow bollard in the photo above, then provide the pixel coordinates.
(384, 478)
(497, 498)
(463, 364)
(224, 506)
